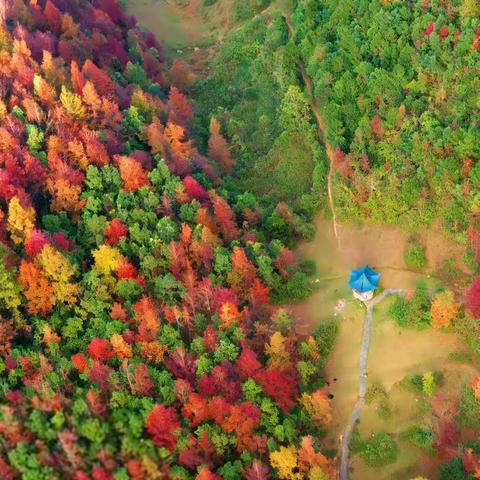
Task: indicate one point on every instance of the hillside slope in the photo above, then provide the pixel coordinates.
(137, 337)
(397, 89)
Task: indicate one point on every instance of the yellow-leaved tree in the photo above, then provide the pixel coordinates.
(60, 273)
(10, 297)
(21, 220)
(107, 259)
(470, 9)
(278, 356)
(304, 462)
(72, 103)
(317, 473)
(286, 462)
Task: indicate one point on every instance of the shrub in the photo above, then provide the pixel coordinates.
(415, 256)
(469, 409)
(382, 449)
(467, 327)
(429, 385)
(421, 437)
(463, 357)
(400, 311)
(452, 471)
(413, 382)
(325, 336)
(356, 442)
(414, 312)
(425, 384)
(376, 393)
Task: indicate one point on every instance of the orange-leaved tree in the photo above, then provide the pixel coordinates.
(133, 174)
(318, 406)
(218, 149)
(444, 309)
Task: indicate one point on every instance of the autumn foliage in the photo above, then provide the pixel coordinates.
(218, 148)
(473, 298)
(136, 334)
(162, 424)
(444, 309)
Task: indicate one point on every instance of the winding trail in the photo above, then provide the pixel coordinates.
(367, 328)
(362, 379)
(322, 130)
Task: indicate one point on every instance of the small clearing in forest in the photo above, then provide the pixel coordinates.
(395, 352)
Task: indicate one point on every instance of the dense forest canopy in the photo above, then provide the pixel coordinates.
(398, 88)
(137, 338)
(396, 85)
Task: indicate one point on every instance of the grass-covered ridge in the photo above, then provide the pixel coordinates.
(257, 94)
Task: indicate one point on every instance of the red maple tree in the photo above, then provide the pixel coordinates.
(162, 424)
(473, 298)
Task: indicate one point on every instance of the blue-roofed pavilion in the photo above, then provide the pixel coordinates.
(363, 282)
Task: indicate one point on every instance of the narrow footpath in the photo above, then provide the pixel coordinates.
(362, 379)
(367, 328)
(322, 129)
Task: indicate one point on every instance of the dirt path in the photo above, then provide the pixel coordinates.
(363, 382)
(322, 130)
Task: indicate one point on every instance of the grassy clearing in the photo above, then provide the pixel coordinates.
(158, 17)
(186, 32)
(193, 26)
(395, 352)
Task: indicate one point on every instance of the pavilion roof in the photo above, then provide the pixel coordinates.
(364, 279)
